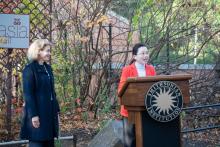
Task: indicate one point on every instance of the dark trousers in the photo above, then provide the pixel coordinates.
(128, 134)
(49, 143)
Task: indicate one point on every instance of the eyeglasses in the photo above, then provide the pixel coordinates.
(142, 54)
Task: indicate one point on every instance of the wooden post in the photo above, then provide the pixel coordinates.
(9, 92)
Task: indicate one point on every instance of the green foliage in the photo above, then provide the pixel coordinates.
(85, 116)
(58, 143)
(102, 124)
(37, 14)
(63, 70)
(171, 26)
(79, 61)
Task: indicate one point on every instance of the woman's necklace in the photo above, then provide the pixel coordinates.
(47, 71)
(51, 98)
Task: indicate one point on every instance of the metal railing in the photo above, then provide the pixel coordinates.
(202, 128)
(20, 142)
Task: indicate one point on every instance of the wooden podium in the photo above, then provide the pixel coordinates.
(150, 132)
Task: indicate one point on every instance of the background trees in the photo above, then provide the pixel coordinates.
(93, 39)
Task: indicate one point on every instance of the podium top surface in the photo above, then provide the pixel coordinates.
(178, 77)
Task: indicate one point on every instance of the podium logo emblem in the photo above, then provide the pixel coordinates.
(164, 101)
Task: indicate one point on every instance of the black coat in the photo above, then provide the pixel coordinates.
(40, 100)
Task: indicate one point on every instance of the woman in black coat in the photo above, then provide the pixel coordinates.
(40, 121)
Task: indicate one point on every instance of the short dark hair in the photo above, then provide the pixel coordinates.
(136, 47)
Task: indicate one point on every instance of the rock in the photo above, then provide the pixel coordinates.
(109, 136)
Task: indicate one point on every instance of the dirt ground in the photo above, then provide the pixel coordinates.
(83, 136)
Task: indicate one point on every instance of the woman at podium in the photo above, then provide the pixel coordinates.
(138, 67)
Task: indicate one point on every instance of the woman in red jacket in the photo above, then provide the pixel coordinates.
(138, 68)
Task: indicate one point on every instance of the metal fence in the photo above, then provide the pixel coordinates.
(202, 128)
(39, 11)
(21, 142)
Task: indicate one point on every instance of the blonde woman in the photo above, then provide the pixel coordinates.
(40, 121)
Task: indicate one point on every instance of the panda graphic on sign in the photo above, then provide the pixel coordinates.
(164, 101)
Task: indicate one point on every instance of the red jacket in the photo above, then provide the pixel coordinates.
(131, 71)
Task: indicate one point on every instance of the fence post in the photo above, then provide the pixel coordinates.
(74, 140)
(9, 93)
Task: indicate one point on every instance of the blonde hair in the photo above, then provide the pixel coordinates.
(35, 47)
